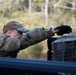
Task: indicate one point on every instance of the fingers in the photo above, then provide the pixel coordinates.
(55, 31)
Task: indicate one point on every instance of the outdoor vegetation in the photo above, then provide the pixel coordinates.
(35, 14)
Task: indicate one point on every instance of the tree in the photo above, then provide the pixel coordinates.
(30, 7)
(46, 12)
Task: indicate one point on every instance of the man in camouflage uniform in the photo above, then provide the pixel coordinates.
(14, 40)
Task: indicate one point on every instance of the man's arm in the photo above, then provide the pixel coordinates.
(36, 35)
(39, 34)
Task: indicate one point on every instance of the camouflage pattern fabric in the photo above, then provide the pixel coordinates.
(12, 45)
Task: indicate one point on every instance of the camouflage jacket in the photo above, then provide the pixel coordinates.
(10, 46)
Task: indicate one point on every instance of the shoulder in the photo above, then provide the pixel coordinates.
(2, 37)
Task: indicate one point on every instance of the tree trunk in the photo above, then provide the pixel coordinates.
(46, 12)
(30, 7)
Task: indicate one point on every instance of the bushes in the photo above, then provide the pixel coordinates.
(34, 52)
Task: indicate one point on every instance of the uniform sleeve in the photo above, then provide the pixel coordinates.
(34, 36)
(12, 44)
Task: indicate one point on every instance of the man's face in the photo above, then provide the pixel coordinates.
(12, 33)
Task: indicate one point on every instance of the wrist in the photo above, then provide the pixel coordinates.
(54, 30)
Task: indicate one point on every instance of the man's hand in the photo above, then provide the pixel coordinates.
(55, 30)
(63, 29)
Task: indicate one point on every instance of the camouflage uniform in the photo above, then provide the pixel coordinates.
(10, 46)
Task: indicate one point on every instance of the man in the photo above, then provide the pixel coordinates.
(14, 40)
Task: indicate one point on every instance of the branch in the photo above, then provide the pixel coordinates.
(57, 4)
(65, 7)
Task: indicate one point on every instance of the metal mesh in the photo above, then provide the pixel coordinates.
(64, 48)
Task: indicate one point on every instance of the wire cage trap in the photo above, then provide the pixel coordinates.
(64, 48)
